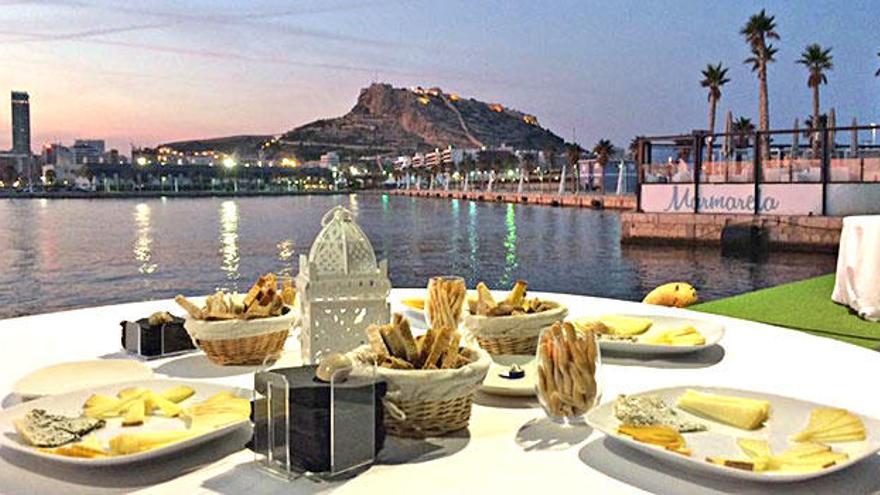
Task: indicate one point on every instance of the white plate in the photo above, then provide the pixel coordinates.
(67, 377)
(711, 331)
(70, 404)
(787, 417)
(523, 387)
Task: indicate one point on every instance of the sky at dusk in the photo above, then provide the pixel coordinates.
(148, 72)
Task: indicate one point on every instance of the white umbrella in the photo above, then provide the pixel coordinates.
(562, 180)
(620, 178)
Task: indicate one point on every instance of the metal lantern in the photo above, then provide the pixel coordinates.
(341, 288)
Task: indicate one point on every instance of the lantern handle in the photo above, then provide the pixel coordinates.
(339, 212)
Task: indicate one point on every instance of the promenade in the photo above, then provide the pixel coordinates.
(586, 200)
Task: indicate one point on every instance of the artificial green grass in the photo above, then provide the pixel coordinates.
(805, 306)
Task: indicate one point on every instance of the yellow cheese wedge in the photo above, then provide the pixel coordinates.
(168, 408)
(740, 412)
(115, 408)
(800, 458)
(178, 393)
(684, 335)
(754, 448)
(625, 325)
(131, 443)
(829, 425)
(416, 303)
(135, 414)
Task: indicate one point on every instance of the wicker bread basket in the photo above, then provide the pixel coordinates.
(430, 403)
(241, 342)
(515, 334)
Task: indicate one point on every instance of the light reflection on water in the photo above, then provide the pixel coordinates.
(143, 239)
(286, 252)
(61, 254)
(230, 258)
(510, 262)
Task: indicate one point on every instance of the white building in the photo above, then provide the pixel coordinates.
(88, 150)
(330, 160)
(60, 160)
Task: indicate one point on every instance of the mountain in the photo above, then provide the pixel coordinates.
(389, 120)
(386, 119)
(245, 145)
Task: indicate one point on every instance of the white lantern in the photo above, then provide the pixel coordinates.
(341, 289)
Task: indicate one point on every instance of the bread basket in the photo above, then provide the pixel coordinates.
(430, 403)
(514, 334)
(242, 342)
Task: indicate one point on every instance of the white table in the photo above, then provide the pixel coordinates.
(509, 447)
(857, 283)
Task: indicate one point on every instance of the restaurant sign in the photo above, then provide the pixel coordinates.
(774, 199)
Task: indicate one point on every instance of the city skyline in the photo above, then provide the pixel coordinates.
(164, 73)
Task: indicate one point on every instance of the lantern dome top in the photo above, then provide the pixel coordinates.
(341, 247)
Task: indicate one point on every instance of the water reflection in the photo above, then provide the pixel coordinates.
(143, 242)
(286, 250)
(230, 258)
(472, 235)
(75, 245)
(456, 236)
(510, 260)
(353, 204)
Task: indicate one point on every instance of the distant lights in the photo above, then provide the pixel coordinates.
(142, 161)
(229, 162)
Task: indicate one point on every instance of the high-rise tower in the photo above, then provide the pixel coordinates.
(21, 123)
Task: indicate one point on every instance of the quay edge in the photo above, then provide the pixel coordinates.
(595, 201)
(784, 233)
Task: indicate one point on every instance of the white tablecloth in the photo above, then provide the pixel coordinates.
(858, 267)
(509, 447)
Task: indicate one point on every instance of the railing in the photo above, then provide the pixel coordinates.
(726, 164)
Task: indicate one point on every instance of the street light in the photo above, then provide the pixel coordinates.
(229, 162)
(142, 161)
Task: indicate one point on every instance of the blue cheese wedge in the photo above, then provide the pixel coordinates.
(650, 410)
(40, 429)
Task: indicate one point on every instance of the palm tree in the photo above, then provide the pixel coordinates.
(572, 157)
(714, 76)
(757, 30)
(742, 129)
(603, 151)
(817, 61)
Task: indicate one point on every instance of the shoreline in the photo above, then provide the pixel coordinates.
(159, 194)
(624, 202)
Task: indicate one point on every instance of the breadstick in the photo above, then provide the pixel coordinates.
(450, 358)
(190, 308)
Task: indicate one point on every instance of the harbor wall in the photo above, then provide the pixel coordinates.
(784, 232)
(596, 201)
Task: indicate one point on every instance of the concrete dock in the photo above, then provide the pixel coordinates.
(784, 232)
(595, 201)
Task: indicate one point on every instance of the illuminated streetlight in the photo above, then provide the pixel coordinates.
(142, 161)
(228, 162)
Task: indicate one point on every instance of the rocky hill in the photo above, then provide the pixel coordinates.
(389, 120)
(245, 145)
(386, 119)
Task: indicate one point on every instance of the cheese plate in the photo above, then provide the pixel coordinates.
(71, 404)
(787, 417)
(641, 344)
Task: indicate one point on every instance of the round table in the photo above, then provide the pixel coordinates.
(857, 283)
(509, 448)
